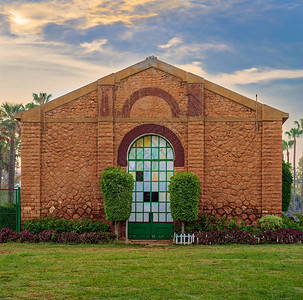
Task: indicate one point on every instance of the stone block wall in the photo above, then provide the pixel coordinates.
(239, 167)
(233, 176)
(69, 181)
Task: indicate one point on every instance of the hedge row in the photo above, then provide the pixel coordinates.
(236, 236)
(8, 235)
(37, 225)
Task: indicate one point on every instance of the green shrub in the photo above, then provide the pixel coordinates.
(270, 222)
(8, 216)
(184, 191)
(291, 222)
(38, 225)
(117, 188)
(299, 217)
(211, 223)
(287, 180)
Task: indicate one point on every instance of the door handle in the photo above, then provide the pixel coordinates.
(151, 217)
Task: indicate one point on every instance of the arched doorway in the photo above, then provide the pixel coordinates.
(151, 163)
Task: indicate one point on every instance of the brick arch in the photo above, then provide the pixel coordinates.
(150, 129)
(150, 91)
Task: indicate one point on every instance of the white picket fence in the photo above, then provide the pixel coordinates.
(184, 239)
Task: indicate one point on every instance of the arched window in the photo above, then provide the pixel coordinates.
(151, 163)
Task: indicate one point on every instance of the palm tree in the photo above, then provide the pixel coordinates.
(301, 121)
(293, 134)
(286, 145)
(12, 130)
(3, 148)
(4, 155)
(38, 100)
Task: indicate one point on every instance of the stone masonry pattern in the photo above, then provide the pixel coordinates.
(239, 166)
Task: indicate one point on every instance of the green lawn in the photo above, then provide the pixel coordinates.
(52, 271)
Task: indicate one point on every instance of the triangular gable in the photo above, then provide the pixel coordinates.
(265, 112)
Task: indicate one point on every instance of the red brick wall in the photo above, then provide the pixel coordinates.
(31, 171)
(271, 168)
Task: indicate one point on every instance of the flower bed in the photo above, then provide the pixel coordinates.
(237, 236)
(8, 235)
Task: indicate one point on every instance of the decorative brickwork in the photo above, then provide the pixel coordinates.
(106, 96)
(271, 168)
(212, 131)
(151, 106)
(148, 129)
(153, 92)
(151, 82)
(31, 171)
(195, 100)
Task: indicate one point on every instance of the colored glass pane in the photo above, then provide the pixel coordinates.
(132, 153)
(139, 153)
(155, 176)
(147, 153)
(155, 140)
(140, 143)
(147, 141)
(155, 153)
(162, 153)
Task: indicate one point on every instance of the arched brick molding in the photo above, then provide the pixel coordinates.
(147, 129)
(150, 91)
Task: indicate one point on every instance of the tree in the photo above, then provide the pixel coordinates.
(117, 188)
(3, 147)
(4, 154)
(286, 145)
(300, 180)
(11, 127)
(38, 100)
(287, 181)
(293, 134)
(184, 189)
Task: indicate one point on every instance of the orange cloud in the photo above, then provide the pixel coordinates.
(32, 17)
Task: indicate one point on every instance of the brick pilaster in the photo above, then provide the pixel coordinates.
(31, 170)
(195, 158)
(271, 168)
(105, 145)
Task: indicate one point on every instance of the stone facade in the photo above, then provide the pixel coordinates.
(229, 142)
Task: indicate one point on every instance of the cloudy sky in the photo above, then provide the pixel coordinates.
(252, 47)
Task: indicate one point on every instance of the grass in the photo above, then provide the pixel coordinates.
(56, 271)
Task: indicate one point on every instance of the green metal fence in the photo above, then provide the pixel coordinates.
(10, 209)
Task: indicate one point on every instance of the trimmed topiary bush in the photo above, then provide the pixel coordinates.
(117, 188)
(184, 191)
(287, 180)
(270, 223)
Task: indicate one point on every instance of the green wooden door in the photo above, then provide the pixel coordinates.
(151, 163)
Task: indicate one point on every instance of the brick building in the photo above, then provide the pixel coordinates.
(153, 120)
